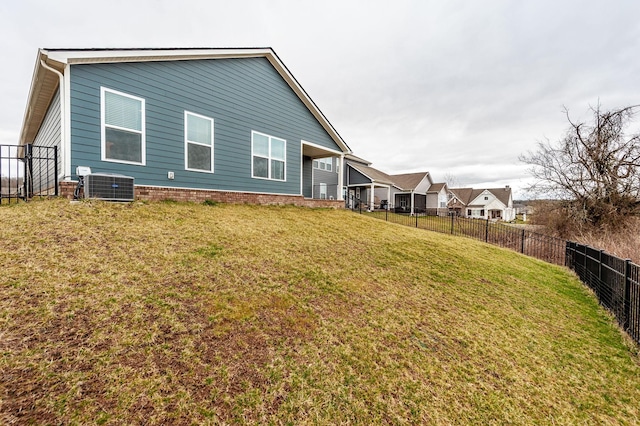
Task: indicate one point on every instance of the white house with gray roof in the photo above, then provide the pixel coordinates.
(491, 203)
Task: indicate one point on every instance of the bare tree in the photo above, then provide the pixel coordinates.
(595, 167)
(452, 180)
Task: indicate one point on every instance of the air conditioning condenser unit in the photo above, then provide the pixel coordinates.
(109, 187)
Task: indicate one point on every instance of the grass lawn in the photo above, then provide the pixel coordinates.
(172, 313)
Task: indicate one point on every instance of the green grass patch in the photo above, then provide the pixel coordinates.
(177, 313)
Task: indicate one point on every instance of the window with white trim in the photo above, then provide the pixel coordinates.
(323, 164)
(268, 156)
(122, 120)
(323, 191)
(198, 142)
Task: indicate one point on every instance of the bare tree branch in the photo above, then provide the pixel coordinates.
(595, 165)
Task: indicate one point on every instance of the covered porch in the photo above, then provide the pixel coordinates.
(371, 196)
(368, 188)
(410, 202)
(321, 184)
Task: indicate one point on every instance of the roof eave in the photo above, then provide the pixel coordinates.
(43, 87)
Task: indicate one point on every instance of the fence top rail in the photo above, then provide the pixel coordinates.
(584, 249)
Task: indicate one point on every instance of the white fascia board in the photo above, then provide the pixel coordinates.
(72, 56)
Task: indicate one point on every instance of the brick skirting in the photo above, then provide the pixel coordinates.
(152, 193)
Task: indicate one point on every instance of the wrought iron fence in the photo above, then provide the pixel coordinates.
(325, 191)
(27, 171)
(615, 281)
(11, 173)
(540, 246)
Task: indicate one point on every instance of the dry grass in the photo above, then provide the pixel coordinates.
(623, 242)
(173, 313)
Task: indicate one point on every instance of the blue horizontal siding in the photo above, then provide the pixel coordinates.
(356, 178)
(240, 95)
(49, 132)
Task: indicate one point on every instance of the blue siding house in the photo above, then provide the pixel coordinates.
(209, 123)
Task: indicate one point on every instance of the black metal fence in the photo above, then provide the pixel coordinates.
(325, 191)
(540, 246)
(27, 171)
(615, 281)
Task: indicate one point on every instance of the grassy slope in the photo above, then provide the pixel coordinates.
(180, 313)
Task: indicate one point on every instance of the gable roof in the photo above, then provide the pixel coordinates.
(45, 81)
(467, 195)
(410, 181)
(502, 194)
(375, 175)
(436, 187)
(357, 159)
(462, 194)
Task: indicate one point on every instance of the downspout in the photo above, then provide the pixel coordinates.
(62, 111)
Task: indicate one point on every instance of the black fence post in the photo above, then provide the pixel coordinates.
(386, 213)
(452, 219)
(55, 169)
(626, 323)
(522, 242)
(584, 265)
(416, 219)
(28, 177)
(600, 266)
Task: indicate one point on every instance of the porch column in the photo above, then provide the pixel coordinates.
(388, 197)
(371, 198)
(339, 194)
(412, 202)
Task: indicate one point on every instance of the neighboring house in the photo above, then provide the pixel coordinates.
(406, 193)
(494, 203)
(226, 124)
(410, 195)
(437, 197)
(365, 184)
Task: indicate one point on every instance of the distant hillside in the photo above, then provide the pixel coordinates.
(168, 313)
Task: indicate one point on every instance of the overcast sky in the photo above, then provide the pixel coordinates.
(456, 88)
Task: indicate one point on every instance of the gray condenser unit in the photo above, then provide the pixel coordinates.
(108, 186)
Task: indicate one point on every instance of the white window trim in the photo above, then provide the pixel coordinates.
(187, 142)
(325, 164)
(253, 132)
(103, 137)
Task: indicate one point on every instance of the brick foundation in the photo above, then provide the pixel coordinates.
(151, 193)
